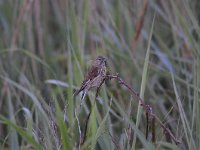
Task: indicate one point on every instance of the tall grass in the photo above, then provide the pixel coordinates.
(47, 46)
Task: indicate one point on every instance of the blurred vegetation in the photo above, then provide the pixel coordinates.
(47, 46)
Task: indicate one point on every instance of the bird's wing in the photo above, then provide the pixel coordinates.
(90, 76)
(94, 71)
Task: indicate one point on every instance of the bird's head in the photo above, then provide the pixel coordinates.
(99, 61)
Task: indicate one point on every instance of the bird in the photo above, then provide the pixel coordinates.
(94, 77)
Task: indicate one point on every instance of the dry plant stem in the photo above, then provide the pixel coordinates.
(83, 137)
(88, 117)
(153, 129)
(139, 24)
(53, 125)
(177, 141)
(87, 120)
(55, 133)
(23, 11)
(147, 127)
(116, 144)
(146, 107)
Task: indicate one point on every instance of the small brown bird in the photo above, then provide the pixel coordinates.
(94, 77)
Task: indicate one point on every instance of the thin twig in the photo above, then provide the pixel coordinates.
(133, 92)
(147, 126)
(147, 108)
(153, 120)
(83, 137)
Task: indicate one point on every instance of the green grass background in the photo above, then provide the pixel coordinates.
(47, 46)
